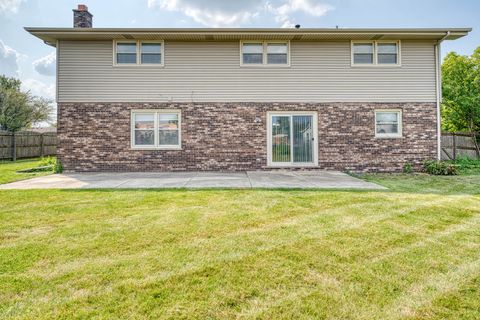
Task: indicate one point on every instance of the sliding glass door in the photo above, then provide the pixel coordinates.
(292, 139)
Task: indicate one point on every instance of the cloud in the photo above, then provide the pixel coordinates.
(39, 88)
(283, 12)
(226, 13)
(10, 6)
(9, 60)
(232, 13)
(46, 65)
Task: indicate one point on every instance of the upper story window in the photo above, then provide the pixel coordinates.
(388, 123)
(363, 53)
(252, 53)
(387, 53)
(376, 53)
(126, 52)
(264, 53)
(138, 53)
(277, 53)
(151, 53)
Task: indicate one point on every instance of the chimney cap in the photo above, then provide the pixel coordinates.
(82, 7)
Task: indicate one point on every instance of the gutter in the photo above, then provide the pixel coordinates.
(438, 77)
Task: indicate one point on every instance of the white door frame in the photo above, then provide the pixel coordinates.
(314, 115)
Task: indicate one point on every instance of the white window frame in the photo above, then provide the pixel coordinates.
(156, 113)
(271, 114)
(264, 54)
(399, 134)
(139, 54)
(375, 54)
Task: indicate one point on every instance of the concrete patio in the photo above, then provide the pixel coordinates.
(251, 179)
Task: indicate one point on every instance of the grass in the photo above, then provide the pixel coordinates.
(466, 182)
(412, 252)
(467, 166)
(8, 170)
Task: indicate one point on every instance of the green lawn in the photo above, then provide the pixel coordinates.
(8, 170)
(412, 252)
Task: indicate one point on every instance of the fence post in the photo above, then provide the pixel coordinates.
(454, 146)
(14, 147)
(41, 145)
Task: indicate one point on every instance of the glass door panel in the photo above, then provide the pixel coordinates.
(281, 139)
(292, 139)
(302, 138)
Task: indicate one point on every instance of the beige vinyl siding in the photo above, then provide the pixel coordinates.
(211, 71)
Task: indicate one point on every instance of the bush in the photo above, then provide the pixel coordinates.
(56, 165)
(407, 167)
(48, 161)
(467, 163)
(467, 166)
(439, 168)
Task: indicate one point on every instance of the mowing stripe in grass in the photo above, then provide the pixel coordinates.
(260, 239)
(424, 293)
(218, 254)
(358, 311)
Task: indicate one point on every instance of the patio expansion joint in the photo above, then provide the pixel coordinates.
(189, 180)
(299, 177)
(249, 180)
(122, 183)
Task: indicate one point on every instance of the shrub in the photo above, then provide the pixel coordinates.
(48, 161)
(58, 167)
(407, 167)
(467, 163)
(55, 164)
(467, 166)
(439, 168)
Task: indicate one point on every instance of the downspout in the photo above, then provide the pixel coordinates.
(438, 79)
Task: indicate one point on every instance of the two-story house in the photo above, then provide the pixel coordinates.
(246, 99)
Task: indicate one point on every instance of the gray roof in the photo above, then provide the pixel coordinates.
(51, 35)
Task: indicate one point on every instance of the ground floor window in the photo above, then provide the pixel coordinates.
(292, 138)
(388, 123)
(156, 129)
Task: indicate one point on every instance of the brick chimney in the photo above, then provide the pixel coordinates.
(81, 17)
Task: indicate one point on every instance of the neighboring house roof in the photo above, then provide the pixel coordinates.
(43, 129)
(32, 130)
(51, 35)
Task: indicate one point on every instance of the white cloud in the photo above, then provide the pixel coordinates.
(232, 13)
(283, 12)
(46, 65)
(9, 60)
(10, 6)
(288, 24)
(39, 88)
(226, 13)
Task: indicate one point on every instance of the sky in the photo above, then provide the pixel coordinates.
(25, 57)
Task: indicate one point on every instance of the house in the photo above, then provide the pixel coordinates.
(246, 99)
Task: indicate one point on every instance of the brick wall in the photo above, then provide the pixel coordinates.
(225, 136)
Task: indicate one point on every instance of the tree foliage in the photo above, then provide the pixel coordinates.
(20, 110)
(461, 92)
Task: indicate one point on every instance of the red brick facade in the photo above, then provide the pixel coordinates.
(233, 137)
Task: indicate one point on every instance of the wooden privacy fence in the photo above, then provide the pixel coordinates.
(29, 144)
(459, 144)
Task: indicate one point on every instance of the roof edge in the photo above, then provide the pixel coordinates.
(51, 35)
(233, 30)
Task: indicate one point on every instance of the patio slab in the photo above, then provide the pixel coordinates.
(252, 179)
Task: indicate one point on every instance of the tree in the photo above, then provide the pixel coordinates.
(461, 93)
(10, 83)
(20, 110)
